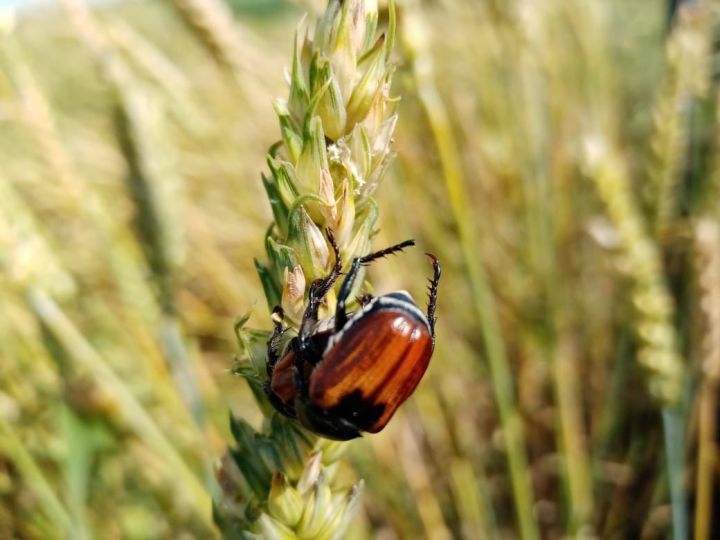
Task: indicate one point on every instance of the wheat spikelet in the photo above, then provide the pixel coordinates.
(687, 77)
(658, 353)
(337, 126)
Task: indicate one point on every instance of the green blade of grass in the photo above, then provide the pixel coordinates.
(674, 432)
(482, 298)
(36, 481)
(132, 412)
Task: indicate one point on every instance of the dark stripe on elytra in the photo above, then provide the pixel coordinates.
(358, 345)
(401, 391)
(342, 368)
(376, 352)
(389, 407)
(415, 375)
(391, 373)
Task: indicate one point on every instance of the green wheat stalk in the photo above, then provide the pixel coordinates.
(336, 128)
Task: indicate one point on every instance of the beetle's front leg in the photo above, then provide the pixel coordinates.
(349, 281)
(318, 290)
(345, 288)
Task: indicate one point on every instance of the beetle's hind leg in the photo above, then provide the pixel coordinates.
(349, 281)
(432, 294)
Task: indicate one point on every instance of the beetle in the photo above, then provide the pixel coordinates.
(349, 373)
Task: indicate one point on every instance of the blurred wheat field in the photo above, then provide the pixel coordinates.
(558, 157)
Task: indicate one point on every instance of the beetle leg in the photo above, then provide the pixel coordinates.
(274, 341)
(432, 294)
(349, 281)
(318, 290)
(367, 259)
(345, 288)
(302, 355)
(365, 299)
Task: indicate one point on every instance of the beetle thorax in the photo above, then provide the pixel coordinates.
(400, 301)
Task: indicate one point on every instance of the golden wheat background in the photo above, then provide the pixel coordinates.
(559, 157)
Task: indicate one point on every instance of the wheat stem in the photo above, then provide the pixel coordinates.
(707, 242)
(483, 300)
(36, 481)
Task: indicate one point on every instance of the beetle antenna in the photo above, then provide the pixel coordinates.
(432, 294)
(367, 259)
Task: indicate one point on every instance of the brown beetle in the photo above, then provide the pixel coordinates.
(349, 373)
